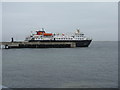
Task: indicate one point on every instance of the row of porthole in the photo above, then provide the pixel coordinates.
(79, 36)
(38, 38)
(64, 38)
(68, 38)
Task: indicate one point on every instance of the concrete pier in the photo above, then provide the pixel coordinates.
(24, 44)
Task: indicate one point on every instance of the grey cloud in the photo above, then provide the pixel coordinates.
(98, 20)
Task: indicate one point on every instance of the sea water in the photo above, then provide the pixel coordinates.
(95, 66)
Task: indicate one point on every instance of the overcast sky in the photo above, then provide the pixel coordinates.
(95, 19)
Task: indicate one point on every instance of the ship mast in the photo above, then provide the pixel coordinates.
(42, 29)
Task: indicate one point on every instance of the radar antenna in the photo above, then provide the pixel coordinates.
(78, 30)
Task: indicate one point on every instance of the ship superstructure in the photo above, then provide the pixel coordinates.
(42, 35)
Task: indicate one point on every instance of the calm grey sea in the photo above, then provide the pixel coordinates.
(92, 67)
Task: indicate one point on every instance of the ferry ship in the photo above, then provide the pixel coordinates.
(41, 36)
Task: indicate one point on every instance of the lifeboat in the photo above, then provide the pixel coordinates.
(47, 34)
(40, 32)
